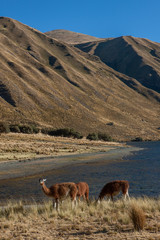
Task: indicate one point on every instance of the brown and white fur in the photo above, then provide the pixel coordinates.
(60, 191)
(83, 191)
(112, 189)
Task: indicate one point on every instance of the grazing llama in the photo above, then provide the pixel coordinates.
(60, 191)
(113, 188)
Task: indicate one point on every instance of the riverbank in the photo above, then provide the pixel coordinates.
(27, 155)
(18, 146)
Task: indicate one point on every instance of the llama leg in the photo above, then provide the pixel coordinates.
(87, 196)
(57, 204)
(127, 194)
(74, 202)
(84, 198)
(108, 198)
(54, 204)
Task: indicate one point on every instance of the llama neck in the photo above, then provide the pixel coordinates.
(45, 189)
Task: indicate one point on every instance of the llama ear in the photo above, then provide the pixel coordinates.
(42, 180)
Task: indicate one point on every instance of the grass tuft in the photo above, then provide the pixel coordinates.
(137, 216)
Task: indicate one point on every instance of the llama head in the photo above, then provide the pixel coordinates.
(41, 181)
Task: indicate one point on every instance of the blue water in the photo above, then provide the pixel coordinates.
(141, 169)
(144, 170)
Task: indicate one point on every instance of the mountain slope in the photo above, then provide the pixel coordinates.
(49, 83)
(70, 37)
(136, 57)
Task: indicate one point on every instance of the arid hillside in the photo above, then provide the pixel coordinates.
(71, 37)
(136, 57)
(50, 83)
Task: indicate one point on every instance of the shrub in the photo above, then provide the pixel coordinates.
(35, 129)
(75, 134)
(92, 136)
(110, 123)
(104, 137)
(78, 135)
(45, 130)
(4, 128)
(138, 217)
(26, 129)
(137, 139)
(14, 128)
(62, 132)
(99, 136)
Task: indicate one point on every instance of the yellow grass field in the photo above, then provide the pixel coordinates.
(106, 220)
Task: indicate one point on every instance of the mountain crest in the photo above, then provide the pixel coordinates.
(71, 37)
(51, 83)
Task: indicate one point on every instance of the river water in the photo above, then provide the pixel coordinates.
(141, 169)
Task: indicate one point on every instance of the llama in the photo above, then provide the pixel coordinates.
(112, 189)
(60, 191)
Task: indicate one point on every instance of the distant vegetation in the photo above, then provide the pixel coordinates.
(62, 132)
(137, 139)
(99, 136)
(6, 128)
(92, 136)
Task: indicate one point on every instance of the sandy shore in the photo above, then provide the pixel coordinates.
(14, 169)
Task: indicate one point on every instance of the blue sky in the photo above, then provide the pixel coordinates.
(103, 18)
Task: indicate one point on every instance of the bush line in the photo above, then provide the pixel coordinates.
(62, 132)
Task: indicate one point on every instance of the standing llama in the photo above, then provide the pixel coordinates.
(60, 191)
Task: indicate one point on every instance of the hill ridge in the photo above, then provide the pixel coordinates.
(135, 57)
(50, 83)
(70, 36)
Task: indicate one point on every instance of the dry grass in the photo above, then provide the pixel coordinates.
(138, 217)
(16, 146)
(106, 220)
